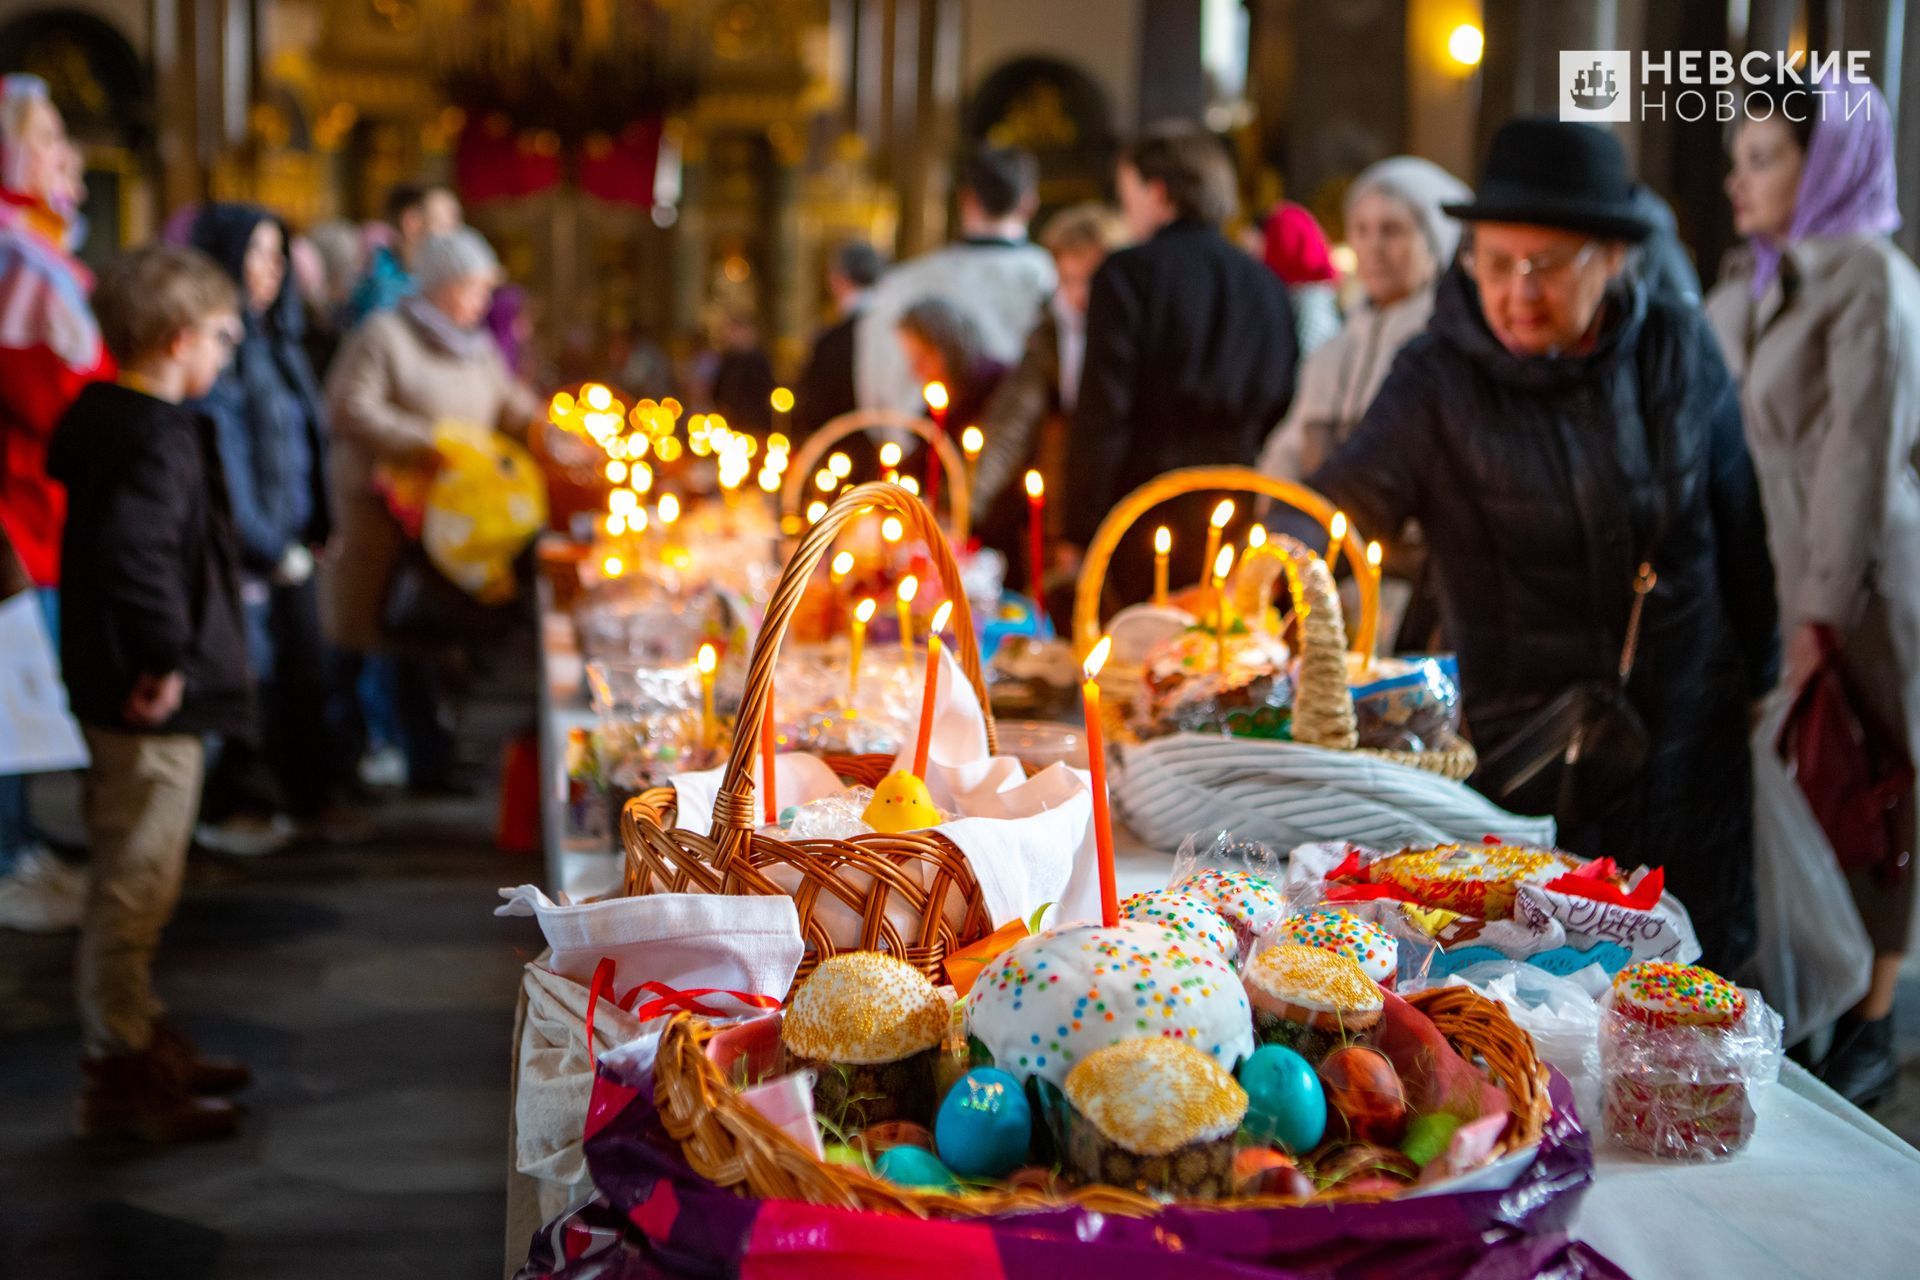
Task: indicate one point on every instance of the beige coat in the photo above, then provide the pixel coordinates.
(1829, 374)
(389, 386)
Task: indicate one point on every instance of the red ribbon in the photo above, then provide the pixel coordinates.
(666, 999)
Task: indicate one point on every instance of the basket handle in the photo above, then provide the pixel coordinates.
(1174, 484)
(733, 810)
(807, 460)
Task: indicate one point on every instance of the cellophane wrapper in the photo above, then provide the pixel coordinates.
(1685, 1093)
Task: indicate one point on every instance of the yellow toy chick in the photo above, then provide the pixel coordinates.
(901, 803)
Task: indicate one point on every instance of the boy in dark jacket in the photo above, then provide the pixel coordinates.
(154, 652)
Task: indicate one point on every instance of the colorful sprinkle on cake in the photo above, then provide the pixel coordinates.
(1341, 931)
(1677, 995)
(864, 1007)
(1052, 1000)
(1251, 904)
(1154, 1096)
(1187, 915)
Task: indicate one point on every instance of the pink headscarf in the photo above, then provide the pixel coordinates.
(1847, 187)
(1296, 248)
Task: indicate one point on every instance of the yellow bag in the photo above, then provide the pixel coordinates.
(485, 503)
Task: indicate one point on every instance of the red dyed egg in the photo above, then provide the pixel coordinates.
(1365, 1090)
(1262, 1171)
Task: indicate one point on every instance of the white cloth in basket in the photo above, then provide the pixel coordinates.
(1286, 794)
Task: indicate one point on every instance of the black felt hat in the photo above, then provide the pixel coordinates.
(1554, 173)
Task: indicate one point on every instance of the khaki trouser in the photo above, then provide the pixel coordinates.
(142, 795)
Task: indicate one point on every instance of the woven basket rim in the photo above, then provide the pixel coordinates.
(859, 421)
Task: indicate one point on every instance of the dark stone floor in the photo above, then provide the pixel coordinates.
(372, 991)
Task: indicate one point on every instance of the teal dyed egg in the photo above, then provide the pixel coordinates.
(1286, 1103)
(985, 1124)
(912, 1167)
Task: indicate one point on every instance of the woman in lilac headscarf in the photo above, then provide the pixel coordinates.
(1819, 320)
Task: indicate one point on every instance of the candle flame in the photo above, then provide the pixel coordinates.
(841, 465)
(1097, 657)
(782, 400)
(825, 481)
(940, 617)
(911, 485)
(616, 471)
(1339, 526)
(815, 510)
(1223, 564)
(909, 587)
(889, 454)
(616, 525)
(1256, 536)
(936, 396)
(614, 566)
(597, 397)
(842, 565)
(1373, 555)
(1223, 513)
(1162, 540)
(892, 530)
(778, 443)
(863, 612)
(708, 659)
(640, 477)
(1035, 485)
(623, 502)
(769, 481)
(669, 509)
(972, 441)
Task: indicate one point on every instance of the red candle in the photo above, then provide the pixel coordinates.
(1097, 766)
(766, 763)
(925, 739)
(937, 402)
(1036, 539)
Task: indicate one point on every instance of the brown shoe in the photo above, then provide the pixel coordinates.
(195, 1073)
(135, 1095)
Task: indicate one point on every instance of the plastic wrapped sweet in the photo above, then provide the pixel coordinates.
(1681, 1052)
(1408, 703)
(649, 723)
(1190, 691)
(1034, 679)
(832, 817)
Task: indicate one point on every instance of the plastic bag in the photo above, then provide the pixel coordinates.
(1685, 1092)
(483, 506)
(1561, 1014)
(1814, 959)
(1409, 703)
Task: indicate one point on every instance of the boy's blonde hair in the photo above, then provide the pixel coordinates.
(1090, 225)
(150, 294)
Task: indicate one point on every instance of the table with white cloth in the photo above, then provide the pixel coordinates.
(1823, 1191)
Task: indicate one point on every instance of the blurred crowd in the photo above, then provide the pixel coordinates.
(1615, 495)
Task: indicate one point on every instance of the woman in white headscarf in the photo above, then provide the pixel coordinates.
(1401, 243)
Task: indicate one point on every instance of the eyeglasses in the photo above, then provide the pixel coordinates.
(1549, 269)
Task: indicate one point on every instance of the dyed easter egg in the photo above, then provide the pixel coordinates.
(912, 1167)
(984, 1125)
(1262, 1171)
(1365, 1089)
(1428, 1136)
(841, 1153)
(1285, 1101)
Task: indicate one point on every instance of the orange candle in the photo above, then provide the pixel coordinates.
(1162, 545)
(766, 762)
(1222, 566)
(862, 615)
(1337, 536)
(903, 608)
(925, 739)
(707, 662)
(1036, 539)
(1097, 766)
(1221, 518)
(1370, 634)
(935, 394)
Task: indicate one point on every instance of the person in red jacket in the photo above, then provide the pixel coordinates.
(49, 349)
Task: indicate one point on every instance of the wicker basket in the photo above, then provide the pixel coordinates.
(730, 1144)
(813, 449)
(1323, 714)
(919, 877)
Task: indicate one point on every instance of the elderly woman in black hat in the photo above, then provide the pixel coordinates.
(1572, 448)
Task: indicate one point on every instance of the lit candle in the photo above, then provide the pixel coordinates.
(815, 510)
(1338, 532)
(766, 762)
(1036, 539)
(613, 566)
(1222, 566)
(862, 615)
(1222, 516)
(1097, 766)
(708, 661)
(825, 481)
(903, 607)
(841, 466)
(669, 509)
(890, 455)
(1369, 634)
(936, 397)
(925, 740)
(1162, 545)
(972, 441)
(1256, 537)
(842, 566)
(782, 408)
(891, 530)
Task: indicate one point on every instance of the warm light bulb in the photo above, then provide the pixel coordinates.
(1465, 44)
(669, 508)
(889, 454)
(940, 617)
(1223, 564)
(598, 397)
(936, 396)
(1223, 514)
(616, 471)
(708, 659)
(1162, 540)
(892, 530)
(972, 441)
(782, 400)
(1035, 485)
(842, 565)
(908, 589)
(1097, 657)
(841, 465)
(864, 610)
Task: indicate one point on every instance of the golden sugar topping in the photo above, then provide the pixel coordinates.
(1155, 1095)
(864, 1007)
(1482, 863)
(1314, 979)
